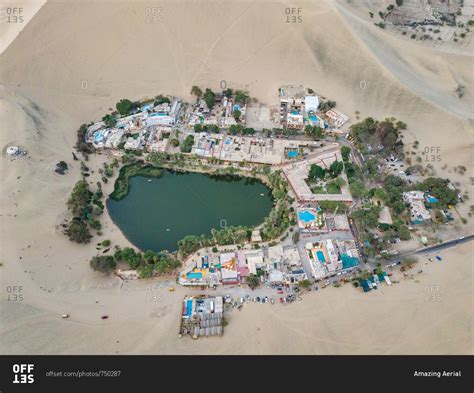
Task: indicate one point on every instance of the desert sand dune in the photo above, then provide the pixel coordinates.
(74, 61)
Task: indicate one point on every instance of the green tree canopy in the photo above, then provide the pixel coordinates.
(316, 172)
(79, 199)
(336, 168)
(103, 263)
(252, 281)
(187, 144)
(125, 106)
(304, 284)
(237, 114)
(210, 98)
(196, 90)
(345, 152)
(241, 96)
(78, 231)
(109, 120)
(314, 132)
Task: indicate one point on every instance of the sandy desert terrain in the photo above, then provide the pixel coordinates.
(73, 61)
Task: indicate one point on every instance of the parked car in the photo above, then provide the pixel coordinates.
(439, 258)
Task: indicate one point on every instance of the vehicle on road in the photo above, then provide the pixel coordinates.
(65, 316)
(439, 258)
(104, 316)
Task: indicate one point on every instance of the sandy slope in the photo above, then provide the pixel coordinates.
(72, 62)
(431, 74)
(393, 320)
(14, 16)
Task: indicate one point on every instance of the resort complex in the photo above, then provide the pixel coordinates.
(317, 172)
(342, 199)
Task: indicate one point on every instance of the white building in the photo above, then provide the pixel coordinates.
(311, 104)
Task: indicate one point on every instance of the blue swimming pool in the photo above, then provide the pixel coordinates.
(194, 275)
(320, 255)
(292, 154)
(314, 119)
(348, 262)
(98, 137)
(189, 307)
(306, 216)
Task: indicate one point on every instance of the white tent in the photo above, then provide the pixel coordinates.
(311, 103)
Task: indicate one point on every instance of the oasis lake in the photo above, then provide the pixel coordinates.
(157, 212)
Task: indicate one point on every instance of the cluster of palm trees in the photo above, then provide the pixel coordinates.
(224, 236)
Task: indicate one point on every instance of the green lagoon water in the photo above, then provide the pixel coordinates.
(156, 214)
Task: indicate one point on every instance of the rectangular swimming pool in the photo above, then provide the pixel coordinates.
(189, 307)
(194, 275)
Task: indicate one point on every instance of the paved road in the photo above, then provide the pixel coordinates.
(431, 249)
